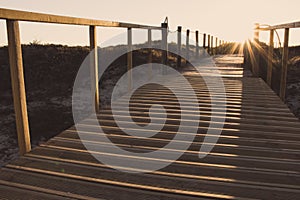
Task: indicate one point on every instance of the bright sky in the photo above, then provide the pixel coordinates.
(231, 20)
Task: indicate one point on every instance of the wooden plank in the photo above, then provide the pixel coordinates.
(94, 67)
(270, 58)
(284, 64)
(18, 85)
(190, 171)
(47, 18)
(168, 184)
(150, 54)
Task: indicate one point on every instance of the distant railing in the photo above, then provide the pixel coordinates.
(13, 17)
(257, 53)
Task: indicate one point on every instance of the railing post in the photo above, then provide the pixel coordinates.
(179, 28)
(197, 44)
(129, 58)
(284, 64)
(94, 66)
(18, 85)
(216, 48)
(204, 40)
(270, 58)
(208, 44)
(164, 44)
(255, 64)
(212, 45)
(187, 45)
(150, 53)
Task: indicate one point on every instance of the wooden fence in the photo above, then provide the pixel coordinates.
(258, 53)
(13, 17)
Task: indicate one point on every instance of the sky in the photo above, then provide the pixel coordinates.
(230, 20)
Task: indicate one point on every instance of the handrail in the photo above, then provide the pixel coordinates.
(280, 26)
(57, 19)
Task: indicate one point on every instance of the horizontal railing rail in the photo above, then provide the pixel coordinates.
(47, 18)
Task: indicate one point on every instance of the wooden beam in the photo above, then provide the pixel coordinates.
(284, 64)
(129, 58)
(150, 53)
(46, 18)
(281, 26)
(187, 45)
(18, 85)
(204, 40)
(208, 44)
(216, 48)
(255, 64)
(164, 32)
(179, 28)
(94, 66)
(212, 45)
(197, 44)
(270, 58)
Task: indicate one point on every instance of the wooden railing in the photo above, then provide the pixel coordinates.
(257, 52)
(13, 17)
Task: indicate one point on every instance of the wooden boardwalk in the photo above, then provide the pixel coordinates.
(257, 155)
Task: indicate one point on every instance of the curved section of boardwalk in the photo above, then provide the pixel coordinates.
(257, 155)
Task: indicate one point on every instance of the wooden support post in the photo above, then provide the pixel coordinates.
(204, 40)
(216, 48)
(208, 44)
(255, 64)
(284, 64)
(150, 53)
(187, 45)
(212, 45)
(179, 28)
(270, 58)
(94, 66)
(18, 85)
(129, 58)
(164, 44)
(197, 44)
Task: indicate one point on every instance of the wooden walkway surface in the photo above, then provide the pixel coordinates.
(257, 155)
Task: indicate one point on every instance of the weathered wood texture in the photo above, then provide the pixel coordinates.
(94, 66)
(18, 85)
(256, 157)
(47, 18)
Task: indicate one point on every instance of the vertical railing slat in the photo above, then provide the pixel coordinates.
(94, 66)
(197, 44)
(164, 44)
(179, 28)
(18, 85)
(204, 40)
(129, 58)
(256, 51)
(150, 53)
(208, 44)
(187, 45)
(270, 58)
(284, 64)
